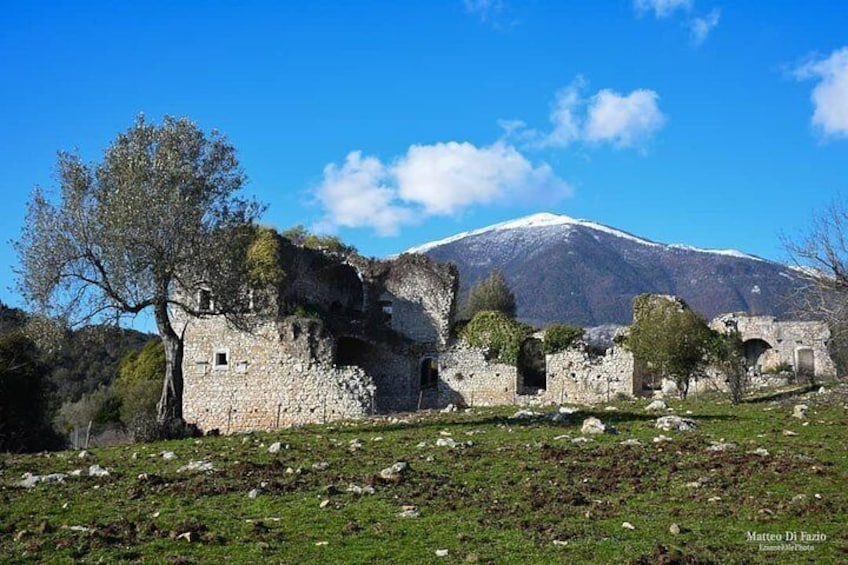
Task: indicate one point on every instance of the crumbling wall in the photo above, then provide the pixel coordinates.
(420, 293)
(578, 375)
(786, 338)
(278, 374)
(467, 378)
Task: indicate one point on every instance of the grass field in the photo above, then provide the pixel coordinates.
(510, 491)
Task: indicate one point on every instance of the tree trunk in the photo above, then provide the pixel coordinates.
(170, 407)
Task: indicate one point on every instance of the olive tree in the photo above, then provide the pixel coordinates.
(124, 235)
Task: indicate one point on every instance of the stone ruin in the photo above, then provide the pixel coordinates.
(345, 337)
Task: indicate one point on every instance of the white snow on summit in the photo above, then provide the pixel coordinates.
(546, 219)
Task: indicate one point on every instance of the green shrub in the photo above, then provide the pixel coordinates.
(139, 382)
(559, 337)
(263, 259)
(490, 294)
(497, 332)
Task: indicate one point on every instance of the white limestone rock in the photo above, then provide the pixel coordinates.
(593, 426)
(656, 406)
(676, 423)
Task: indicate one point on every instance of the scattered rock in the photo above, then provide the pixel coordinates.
(656, 405)
(611, 408)
(253, 493)
(449, 408)
(628, 526)
(97, 471)
(324, 503)
(358, 490)
(560, 542)
(83, 454)
(632, 442)
(568, 410)
(662, 439)
(761, 451)
(408, 511)
(168, 455)
(201, 466)
(674, 529)
(714, 499)
(800, 411)
(669, 387)
(582, 439)
(320, 466)
(29, 480)
(669, 423)
(719, 446)
(442, 553)
(275, 447)
(446, 442)
(525, 415)
(593, 426)
(789, 433)
(395, 472)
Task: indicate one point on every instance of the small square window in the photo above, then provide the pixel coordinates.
(222, 359)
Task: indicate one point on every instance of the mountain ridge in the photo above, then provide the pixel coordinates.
(564, 269)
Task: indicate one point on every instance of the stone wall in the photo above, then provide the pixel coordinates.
(787, 340)
(278, 374)
(578, 375)
(467, 378)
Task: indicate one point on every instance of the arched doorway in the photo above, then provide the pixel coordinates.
(754, 351)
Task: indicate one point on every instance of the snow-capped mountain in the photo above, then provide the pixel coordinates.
(568, 270)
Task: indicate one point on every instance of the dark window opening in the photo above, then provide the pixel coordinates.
(532, 370)
(221, 359)
(351, 351)
(429, 373)
(204, 300)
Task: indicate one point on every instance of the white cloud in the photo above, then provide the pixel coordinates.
(623, 120)
(662, 8)
(830, 95)
(700, 28)
(485, 9)
(606, 117)
(564, 116)
(357, 195)
(430, 180)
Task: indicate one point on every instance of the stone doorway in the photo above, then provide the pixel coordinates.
(532, 368)
(805, 364)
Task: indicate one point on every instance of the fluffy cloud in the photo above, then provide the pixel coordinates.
(357, 195)
(430, 180)
(605, 117)
(662, 8)
(700, 28)
(623, 120)
(830, 95)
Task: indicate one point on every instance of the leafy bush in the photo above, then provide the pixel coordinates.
(559, 337)
(263, 259)
(669, 339)
(779, 368)
(490, 294)
(100, 407)
(23, 397)
(139, 382)
(497, 332)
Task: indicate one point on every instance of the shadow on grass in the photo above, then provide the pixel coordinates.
(543, 420)
(781, 394)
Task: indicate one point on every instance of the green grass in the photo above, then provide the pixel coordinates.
(505, 499)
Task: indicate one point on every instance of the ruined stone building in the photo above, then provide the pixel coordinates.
(781, 346)
(344, 336)
(339, 338)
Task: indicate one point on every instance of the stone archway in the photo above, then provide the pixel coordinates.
(755, 352)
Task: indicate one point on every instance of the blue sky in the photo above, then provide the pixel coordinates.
(715, 124)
